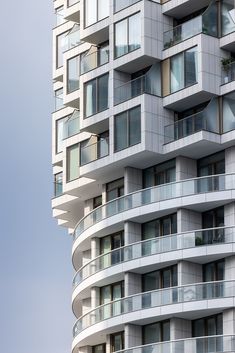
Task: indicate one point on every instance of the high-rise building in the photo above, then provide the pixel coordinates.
(144, 171)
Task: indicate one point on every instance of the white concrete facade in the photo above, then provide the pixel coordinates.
(143, 154)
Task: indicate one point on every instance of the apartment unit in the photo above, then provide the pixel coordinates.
(143, 160)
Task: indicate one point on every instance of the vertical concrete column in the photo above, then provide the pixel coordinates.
(189, 272)
(180, 328)
(228, 328)
(88, 207)
(85, 349)
(108, 344)
(133, 180)
(133, 336)
(230, 160)
(86, 305)
(133, 283)
(104, 194)
(229, 268)
(186, 168)
(95, 297)
(95, 247)
(132, 232)
(188, 220)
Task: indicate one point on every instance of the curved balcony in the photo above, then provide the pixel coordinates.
(156, 298)
(186, 240)
(178, 189)
(204, 344)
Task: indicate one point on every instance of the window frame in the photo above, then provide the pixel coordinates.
(96, 80)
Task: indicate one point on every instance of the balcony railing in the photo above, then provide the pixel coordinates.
(72, 125)
(59, 101)
(156, 298)
(199, 24)
(91, 153)
(93, 60)
(228, 73)
(153, 194)
(155, 246)
(204, 344)
(136, 87)
(190, 125)
(72, 39)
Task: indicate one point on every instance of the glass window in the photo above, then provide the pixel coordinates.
(164, 278)
(160, 174)
(72, 124)
(211, 165)
(58, 184)
(160, 227)
(59, 99)
(97, 201)
(95, 10)
(100, 348)
(229, 112)
(213, 271)
(184, 69)
(73, 74)
(227, 17)
(157, 332)
(96, 95)
(127, 35)
(208, 326)
(72, 162)
(109, 243)
(59, 15)
(60, 134)
(60, 47)
(115, 189)
(117, 341)
(127, 129)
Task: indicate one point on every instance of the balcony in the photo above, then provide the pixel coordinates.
(94, 151)
(228, 73)
(178, 189)
(72, 38)
(156, 298)
(95, 59)
(158, 245)
(191, 28)
(137, 87)
(204, 120)
(72, 125)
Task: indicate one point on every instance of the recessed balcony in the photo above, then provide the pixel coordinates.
(94, 58)
(169, 191)
(94, 151)
(228, 73)
(196, 292)
(158, 245)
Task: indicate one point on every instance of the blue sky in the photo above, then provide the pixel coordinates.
(35, 261)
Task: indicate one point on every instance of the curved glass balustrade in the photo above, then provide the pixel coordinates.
(155, 298)
(205, 23)
(155, 246)
(204, 344)
(155, 194)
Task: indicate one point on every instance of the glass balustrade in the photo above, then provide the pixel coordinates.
(228, 73)
(72, 39)
(94, 151)
(72, 125)
(158, 193)
(90, 61)
(205, 23)
(155, 246)
(58, 188)
(155, 298)
(149, 83)
(204, 120)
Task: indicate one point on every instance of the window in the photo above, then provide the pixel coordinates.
(73, 74)
(213, 272)
(212, 219)
(157, 332)
(117, 341)
(211, 165)
(72, 162)
(58, 184)
(60, 134)
(229, 112)
(164, 278)
(127, 35)
(97, 201)
(94, 148)
(72, 124)
(100, 348)
(59, 12)
(73, 37)
(160, 227)
(109, 243)
(95, 10)
(160, 174)
(127, 129)
(94, 57)
(115, 189)
(227, 17)
(60, 47)
(59, 99)
(96, 95)
(183, 70)
(209, 326)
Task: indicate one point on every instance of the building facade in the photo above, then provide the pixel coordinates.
(143, 160)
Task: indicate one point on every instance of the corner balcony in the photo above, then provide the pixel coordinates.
(134, 88)
(94, 59)
(94, 151)
(189, 29)
(196, 191)
(196, 239)
(205, 298)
